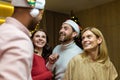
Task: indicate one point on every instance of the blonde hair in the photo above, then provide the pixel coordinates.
(102, 52)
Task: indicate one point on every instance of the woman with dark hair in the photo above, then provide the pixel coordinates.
(41, 53)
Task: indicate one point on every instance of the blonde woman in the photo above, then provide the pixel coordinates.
(94, 63)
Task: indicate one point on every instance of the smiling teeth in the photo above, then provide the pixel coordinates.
(86, 44)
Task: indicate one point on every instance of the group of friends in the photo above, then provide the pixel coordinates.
(30, 57)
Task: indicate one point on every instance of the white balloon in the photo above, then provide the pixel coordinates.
(34, 12)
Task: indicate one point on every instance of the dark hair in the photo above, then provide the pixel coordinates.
(77, 39)
(47, 49)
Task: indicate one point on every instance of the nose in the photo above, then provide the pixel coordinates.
(61, 30)
(40, 39)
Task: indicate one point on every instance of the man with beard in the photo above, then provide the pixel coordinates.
(16, 49)
(63, 53)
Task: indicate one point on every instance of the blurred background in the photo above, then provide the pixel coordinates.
(103, 14)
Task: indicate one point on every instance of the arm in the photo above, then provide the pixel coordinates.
(43, 76)
(69, 71)
(113, 73)
(52, 59)
(16, 58)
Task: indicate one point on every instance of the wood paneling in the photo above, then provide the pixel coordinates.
(107, 19)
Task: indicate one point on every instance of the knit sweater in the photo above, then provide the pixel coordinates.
(39, 70)
(66, 52)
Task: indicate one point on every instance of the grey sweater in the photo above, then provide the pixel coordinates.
(66, 52)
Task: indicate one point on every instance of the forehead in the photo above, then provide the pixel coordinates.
(40, 33)
(88, 32)
(66, 25)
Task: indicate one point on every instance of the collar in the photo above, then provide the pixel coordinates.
(66, 46)
(17, 24)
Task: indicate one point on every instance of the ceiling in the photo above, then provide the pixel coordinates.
(66, 6)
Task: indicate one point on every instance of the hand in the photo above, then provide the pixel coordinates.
(53, 58)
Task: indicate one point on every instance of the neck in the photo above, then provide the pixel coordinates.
(38, 51)
(67, 42)
(93, 54)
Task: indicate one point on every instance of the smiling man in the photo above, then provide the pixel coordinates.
(66, 50)
(16, 49)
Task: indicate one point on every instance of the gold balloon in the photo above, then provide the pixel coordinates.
(6, 10)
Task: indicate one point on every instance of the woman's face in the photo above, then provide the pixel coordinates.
(39, 39)
(90, 41)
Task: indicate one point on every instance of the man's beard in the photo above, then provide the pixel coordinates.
(32, 24)
(65, 38)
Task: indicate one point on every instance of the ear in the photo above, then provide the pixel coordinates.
(42, 11)
(74, 34)
(99, 40)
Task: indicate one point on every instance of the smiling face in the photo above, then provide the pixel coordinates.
(39, 39)
(66, 33)
(90, 41)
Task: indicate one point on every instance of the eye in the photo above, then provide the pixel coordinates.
(66, 28)
(37, 36)
(89, 36)
(43, 36)
(83, 38)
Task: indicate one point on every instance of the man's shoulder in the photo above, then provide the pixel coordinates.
(77, 47)
(57, 46)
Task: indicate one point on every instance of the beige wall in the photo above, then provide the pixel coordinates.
(107, 19)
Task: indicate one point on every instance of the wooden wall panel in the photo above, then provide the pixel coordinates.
(107, 18)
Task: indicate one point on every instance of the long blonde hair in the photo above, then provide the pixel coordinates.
(102, 52)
